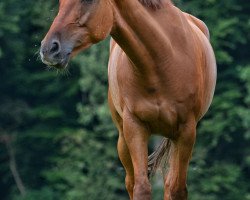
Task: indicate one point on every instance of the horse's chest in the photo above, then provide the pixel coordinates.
(159, 115)
(152, 105)
(146, 110)
(112, 77)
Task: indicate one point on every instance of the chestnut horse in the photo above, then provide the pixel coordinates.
(162, 75)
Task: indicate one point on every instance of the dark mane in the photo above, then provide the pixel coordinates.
(155, 4)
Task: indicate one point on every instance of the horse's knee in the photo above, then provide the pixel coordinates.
(179, 194)
(142, 189)
(174, 191)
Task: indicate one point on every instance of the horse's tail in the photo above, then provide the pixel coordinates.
(159, 158)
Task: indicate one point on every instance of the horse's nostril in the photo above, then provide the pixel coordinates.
(55, 47)
(43, 51)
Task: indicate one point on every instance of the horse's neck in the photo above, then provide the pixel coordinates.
(139, 34)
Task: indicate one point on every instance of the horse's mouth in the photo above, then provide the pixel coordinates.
(58, 64)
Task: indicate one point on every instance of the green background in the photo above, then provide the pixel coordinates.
(56, 134)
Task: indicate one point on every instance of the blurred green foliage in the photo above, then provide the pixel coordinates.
(60, 126)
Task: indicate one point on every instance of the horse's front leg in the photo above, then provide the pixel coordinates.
(136, 136)
(125, 158)
(180, 154)
(123, 151)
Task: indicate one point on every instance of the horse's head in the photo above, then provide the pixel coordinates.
(78, 25)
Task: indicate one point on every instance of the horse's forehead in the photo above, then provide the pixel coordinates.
(69, 3)
(69, 6)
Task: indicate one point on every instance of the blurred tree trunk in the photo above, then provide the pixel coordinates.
(7, 140)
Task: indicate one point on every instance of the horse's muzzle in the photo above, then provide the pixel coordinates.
(52, 54)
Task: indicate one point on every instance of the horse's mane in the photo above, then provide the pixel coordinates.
(155, 4)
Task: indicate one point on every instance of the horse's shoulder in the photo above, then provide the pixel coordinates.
(199, 23)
